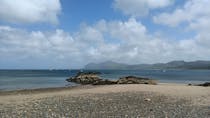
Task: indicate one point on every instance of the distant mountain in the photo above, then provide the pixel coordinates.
(170, 65)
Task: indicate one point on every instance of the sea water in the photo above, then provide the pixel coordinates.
(31, 79)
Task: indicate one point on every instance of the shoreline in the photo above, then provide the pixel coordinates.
(47, 89)
(57, 89)
(180, 90)
(3, 91)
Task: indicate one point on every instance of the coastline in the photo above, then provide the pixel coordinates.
(26, 79)
(76, 87)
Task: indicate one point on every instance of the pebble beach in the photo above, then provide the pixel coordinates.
(112, 101)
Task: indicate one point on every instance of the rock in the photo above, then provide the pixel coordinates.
(85, 78)
(135, 80)
(147, 99)
(105, 82)
(206, 84)
(94, 79)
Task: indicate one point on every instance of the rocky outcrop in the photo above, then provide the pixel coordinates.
(207, 84)
(105, 82)
(94, 79)
(85, 78)
(136, 80)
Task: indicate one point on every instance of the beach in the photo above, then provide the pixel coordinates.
(104, 59)
(131, 100)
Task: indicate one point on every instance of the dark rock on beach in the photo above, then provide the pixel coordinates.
(136, 80)
(94, 79)
(105, 82)
(85, 78)
(207, 84)
(189, 84)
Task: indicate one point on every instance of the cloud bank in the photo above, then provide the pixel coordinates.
(137, 8)
(194, 13)
(30, 11)
(129, 42)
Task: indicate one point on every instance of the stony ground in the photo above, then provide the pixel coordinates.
(111, 105)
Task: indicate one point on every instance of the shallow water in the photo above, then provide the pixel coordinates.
(29, 79)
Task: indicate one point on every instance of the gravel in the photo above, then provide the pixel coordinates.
(111, 105)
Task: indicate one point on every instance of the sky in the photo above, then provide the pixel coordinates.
(68, 34)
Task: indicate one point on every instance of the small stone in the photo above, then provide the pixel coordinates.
(147, 99)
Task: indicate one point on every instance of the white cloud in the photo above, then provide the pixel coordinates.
(196, 13)
(30, 11)
(36, 46)
(136, 30)
(137, 8)
(127, 42)
(136, 45)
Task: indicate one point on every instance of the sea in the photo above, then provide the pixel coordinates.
(33, 79)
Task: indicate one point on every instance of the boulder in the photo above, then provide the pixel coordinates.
(136, 80)
(105, 82)
(85, 78)
(206, 84)
(189, 84)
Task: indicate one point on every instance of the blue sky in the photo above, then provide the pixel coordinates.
(42, 34)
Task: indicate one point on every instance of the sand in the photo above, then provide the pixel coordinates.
(94, 101)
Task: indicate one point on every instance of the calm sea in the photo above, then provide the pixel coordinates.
(30, 79)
